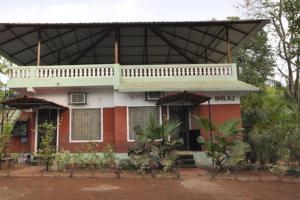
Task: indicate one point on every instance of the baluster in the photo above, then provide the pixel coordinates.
(110, 71)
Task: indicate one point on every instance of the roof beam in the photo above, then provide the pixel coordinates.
(68, 45)
(45, 41)
(237, 30)
(53, 43)
(193, 53)
(201, 41)
(246, 35)
(145, 53)
(85, 51)
(18, 36)
(5, 29)
(211, 42)
(172, 45)
(63, 44)
(193, 42)
(211, 35)
(26, 45)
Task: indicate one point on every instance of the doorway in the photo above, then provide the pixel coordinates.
(50, 116)
(182, 114)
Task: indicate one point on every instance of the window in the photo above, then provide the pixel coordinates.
(140, 116)
(86, 124)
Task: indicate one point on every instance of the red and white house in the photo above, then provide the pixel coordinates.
(97, 81)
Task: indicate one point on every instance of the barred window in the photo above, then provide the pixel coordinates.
(86, 124)
(140, 116)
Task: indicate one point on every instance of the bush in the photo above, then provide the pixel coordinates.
(155, 147)
(47, 149)
(109, 157)
(126, 164)
(226, 149)
(5, 139)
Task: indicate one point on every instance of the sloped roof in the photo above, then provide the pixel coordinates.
(183, 98)
(140, 42)
(31, 102)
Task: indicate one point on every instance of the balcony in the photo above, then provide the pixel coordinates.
(113, 74)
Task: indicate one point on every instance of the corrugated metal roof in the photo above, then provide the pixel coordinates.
(140, 42)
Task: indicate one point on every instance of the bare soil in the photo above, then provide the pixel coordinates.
(185, 188)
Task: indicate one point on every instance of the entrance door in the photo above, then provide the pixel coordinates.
(50, 116)
(181, 114)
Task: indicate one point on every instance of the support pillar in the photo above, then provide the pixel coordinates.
(38, 57)
(228, 46)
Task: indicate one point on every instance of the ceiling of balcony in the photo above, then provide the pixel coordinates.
(139, 42)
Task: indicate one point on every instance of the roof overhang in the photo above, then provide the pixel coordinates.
(184, 98)
(139, 42)
(25, 103)
(192, 86)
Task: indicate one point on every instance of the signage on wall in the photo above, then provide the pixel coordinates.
(224, 98)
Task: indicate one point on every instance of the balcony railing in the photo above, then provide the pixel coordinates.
(64, 71)
(114, 74)
(195, 70)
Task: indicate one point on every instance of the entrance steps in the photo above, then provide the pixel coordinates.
(186, 160)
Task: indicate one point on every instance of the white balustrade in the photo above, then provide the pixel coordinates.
(64, 71)
(195, 70)
(127, 71)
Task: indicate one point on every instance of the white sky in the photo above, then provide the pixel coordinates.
(115, 10)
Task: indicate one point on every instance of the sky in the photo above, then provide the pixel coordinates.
(115, 10)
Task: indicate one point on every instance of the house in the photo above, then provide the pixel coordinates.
(97, 81)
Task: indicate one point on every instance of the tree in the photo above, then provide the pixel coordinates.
(285, 26)
(255, 60)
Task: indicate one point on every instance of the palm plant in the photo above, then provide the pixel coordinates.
(225, 147)
(155, 146)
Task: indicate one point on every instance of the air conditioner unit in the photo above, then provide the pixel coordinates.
(77, 98)
(153, 96)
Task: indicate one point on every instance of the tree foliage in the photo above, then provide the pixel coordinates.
(272, 126)
(255, 60)
(285, 29)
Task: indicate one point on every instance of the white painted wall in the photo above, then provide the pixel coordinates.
(96, 97)
(106, 97)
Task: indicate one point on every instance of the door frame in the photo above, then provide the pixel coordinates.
(36, 130)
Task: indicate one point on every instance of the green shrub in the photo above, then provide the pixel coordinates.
(47, 148)
(225, 147)
(155, 146)
(126, 164)
(5, 138)
(109, 157)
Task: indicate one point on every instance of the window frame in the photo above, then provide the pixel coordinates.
(71, 131)
(127, 118)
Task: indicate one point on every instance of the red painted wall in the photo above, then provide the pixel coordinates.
(15, 144)
(115, 128)
(64, 130)
(219, 114)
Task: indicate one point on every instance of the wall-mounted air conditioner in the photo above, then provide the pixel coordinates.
(153, 96)
(77, 98)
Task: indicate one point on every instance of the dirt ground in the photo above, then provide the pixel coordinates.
(187, 187)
